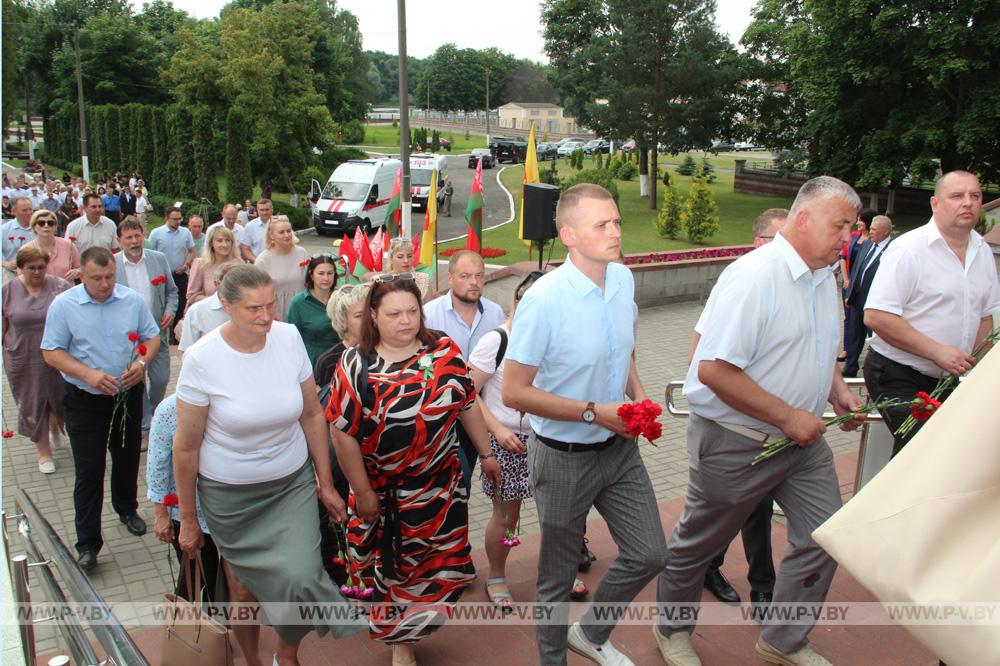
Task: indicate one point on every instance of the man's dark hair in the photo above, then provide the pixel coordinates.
(88, 197)
(100, 256)
(130, 222)
(172, 209)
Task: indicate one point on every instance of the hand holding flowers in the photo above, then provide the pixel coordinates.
(640, 419)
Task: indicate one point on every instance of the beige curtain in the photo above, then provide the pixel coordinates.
(926, 529)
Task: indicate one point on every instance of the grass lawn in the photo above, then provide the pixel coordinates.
(736, 212)
(388, 136)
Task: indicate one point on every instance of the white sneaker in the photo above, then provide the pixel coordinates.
(603, 654)
(676, 648)
(47, 467)
(802, 657)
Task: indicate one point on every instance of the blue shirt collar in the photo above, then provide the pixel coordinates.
(84, 297)
(584, 285)
(450, 304)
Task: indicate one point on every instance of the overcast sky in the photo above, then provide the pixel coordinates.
(512, 26)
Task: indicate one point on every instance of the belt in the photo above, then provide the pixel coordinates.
(749, 433)
(575, 447)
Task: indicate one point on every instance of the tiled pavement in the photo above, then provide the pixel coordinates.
(137, 569)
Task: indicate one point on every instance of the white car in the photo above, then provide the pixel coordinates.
(567, 148)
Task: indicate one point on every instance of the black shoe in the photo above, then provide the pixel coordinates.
(586, 557)
(134, 524)
(720, 588)
(87, 560)
(759, 602)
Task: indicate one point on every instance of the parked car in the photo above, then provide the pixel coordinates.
(483, 153)
(509, 150)
(723, 146)
(742, 146)
(547, 151)
(567, 148)
(596, 146)
(445, 144)
(629, 145)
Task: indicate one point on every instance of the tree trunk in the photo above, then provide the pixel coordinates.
(654, 172)
(285, 176)
(890, 203)
(640, 147)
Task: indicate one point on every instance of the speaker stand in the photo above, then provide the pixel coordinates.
(541, 253)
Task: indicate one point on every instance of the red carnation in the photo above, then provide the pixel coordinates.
(133, 337)
(20, 238)
(158, 280)
(924, 406)
(170, 499)
(10, 238)
(303, 263)
(141, 350)
(640, 419)
(72, 238)
(7, 434)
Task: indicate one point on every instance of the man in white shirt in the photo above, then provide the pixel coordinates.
(93, 228)
(252, 240)
(17, 232)
(764, 368)
(932, 301)
(228, 220)
(205, 315)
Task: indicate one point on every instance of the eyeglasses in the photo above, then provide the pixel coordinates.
(46, 222)
(34, 269)
(392, 277)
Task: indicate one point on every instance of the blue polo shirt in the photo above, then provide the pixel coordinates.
(13, 237)
(580, 340)
(110, 202)
(440, 315)
(174, 243)
(96, 334)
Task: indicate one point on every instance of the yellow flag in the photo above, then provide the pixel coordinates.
(530, 176)
(428, 241)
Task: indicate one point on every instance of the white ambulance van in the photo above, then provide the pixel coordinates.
(421, 167)
(356, 195)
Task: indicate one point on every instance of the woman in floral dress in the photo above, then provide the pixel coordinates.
(397, 397)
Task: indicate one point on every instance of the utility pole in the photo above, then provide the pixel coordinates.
(487, 107)
(404, 124)
(83, 116)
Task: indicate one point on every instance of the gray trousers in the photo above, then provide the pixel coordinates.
(158, 375)
(566, 485)
(723, 489)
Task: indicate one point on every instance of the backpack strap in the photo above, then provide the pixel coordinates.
(502, 349)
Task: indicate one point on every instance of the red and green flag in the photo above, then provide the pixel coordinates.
(354, 271)
(394, 212)
(474, 211)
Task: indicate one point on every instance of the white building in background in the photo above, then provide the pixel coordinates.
(547, 117)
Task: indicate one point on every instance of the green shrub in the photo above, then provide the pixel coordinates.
(467, 135)
(395, 123)
(668, 222)
(708, 170)
(627, 171)
(576, 159)
(550, 176)
(700, 213)
(239, 176)
(596, 176)
(304, 180)
(600, 161)
(301, 217)
(687, 167)
(354, 132)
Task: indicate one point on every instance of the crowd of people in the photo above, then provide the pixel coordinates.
(324, 434)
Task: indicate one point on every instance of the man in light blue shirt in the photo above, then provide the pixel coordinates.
(177, 245)
(17, 232)
(252, 240)
(87, 339)
(570, 367)
(465, 315)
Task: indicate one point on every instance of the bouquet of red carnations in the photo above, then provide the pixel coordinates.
(640, 419)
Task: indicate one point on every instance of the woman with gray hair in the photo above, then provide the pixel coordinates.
(239, 441)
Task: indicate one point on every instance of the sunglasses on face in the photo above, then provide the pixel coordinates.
(46, 222)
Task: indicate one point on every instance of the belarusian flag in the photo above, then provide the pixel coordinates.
(377, 247)
(394, 213)
(530, 176)
(428, 241)
(474, 211)
(354, 270)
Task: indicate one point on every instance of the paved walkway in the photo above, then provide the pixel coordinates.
(137, 569)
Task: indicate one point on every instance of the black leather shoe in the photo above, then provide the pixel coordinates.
(87, 560)
(759, 602)
(720, 588)
(586, 557)
(134, 524)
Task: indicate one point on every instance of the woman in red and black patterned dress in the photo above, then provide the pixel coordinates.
(395, 438)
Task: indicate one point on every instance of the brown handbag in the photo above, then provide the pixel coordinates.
(190, 636)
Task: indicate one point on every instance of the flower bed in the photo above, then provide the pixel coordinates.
(686, 255)
(486, 252)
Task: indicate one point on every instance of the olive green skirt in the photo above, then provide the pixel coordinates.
(269, 534)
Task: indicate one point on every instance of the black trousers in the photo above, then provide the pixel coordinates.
(886, 378)
(756, 532)
(855, 333)
(468, 454)
(91, 437)
(211, 567)
(182, 290)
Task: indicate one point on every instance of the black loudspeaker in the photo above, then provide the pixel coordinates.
(540, 211)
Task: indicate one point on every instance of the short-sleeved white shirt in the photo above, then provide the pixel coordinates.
(776, 320)
(484, 357)
(254, 401)
(921, 280)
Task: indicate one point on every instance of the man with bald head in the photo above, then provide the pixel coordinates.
(229, 214)
(863, 270)
(933, 300)
(570, 366)
(17, 232)
(765, 368)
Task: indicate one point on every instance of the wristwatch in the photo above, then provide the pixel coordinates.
(142, 364)
(589, 415)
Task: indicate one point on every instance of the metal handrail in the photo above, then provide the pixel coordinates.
(852, 382)
(117, 643)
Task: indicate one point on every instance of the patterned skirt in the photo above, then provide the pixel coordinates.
(514, 467)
